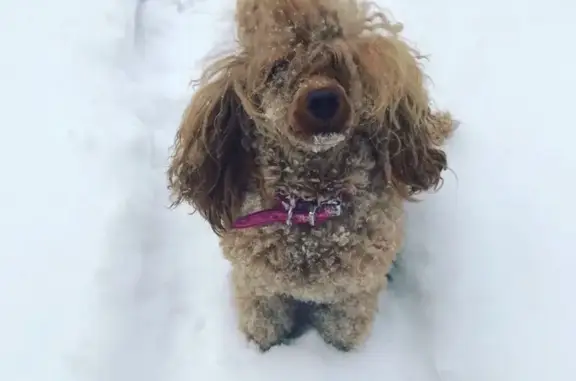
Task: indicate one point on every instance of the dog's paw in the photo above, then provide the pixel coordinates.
(299, 324)
(347, 324)
(266, 334)
(340, 346)
(265, 344)
(267, 322)
(341, 342)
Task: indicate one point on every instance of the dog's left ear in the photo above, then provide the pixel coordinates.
(406, 133)
(414, 136)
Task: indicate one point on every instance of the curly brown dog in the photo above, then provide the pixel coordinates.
(300, 149)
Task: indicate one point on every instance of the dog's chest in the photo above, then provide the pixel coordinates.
(314, 251)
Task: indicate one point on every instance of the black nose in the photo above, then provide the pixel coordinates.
(323, 104)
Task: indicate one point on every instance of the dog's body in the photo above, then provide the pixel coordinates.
(337, 265)
(331, 112)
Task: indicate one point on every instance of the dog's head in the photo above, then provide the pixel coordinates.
(309, 74)
(303, 73)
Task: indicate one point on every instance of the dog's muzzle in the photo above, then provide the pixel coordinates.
(321, 110)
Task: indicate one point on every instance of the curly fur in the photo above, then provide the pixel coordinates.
(246, 138)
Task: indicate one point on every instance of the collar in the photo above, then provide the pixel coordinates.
(292, 211)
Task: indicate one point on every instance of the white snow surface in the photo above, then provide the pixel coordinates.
(99, 280)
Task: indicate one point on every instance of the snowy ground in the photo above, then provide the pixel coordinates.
(99, 281)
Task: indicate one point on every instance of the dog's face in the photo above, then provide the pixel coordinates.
(305, 84)
(308, 75)
(309, 98)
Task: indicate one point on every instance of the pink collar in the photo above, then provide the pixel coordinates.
(291, 212)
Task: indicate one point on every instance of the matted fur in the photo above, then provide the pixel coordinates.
(242, 142)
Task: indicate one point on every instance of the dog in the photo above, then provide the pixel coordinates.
(300, 150)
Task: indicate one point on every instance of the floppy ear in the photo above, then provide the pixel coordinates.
(407, 135)
(211, 163)
(414, 138)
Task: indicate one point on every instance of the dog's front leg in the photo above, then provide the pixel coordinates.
(346, 324)
(267, 321)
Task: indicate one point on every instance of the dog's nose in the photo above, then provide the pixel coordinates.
(323, 104)
(320, 109)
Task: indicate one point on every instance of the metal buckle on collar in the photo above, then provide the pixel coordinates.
(335, 207)
(332, 207)
(312, 214)
(289, 206)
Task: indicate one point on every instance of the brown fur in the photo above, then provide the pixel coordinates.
(246, 138)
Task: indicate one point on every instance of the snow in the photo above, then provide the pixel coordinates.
(99, 280)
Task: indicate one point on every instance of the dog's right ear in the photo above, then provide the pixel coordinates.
(211, 163)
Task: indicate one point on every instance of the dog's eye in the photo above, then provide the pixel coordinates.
(277, 69)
